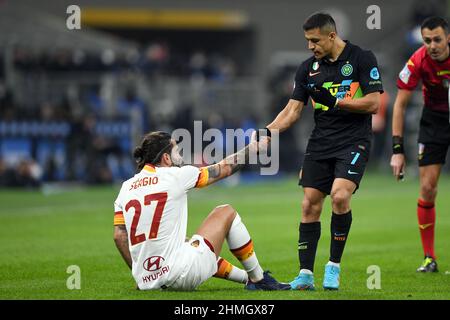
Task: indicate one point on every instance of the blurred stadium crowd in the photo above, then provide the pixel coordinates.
(88, 135)
(157, 59)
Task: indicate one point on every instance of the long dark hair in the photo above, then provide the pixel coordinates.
(152, 147)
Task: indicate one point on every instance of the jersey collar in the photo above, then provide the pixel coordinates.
(345, 54)
(149, 168)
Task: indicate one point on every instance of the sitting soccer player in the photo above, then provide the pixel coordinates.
(150, 223)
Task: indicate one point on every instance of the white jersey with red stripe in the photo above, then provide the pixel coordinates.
(153, 207)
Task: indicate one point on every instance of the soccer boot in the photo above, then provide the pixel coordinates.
(331, 277)
(267, 283)
(428, 265)
(304, 281)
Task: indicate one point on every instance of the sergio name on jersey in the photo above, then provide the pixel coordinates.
(153, 207)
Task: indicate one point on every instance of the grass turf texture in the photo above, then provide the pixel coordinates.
(41, 235)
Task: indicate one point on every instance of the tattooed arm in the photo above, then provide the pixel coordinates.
(229, 165)
(121, 240)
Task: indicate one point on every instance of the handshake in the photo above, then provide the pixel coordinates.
(260, 140)
(322, 96)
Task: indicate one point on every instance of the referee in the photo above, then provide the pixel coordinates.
(430, 64)
(344, 85)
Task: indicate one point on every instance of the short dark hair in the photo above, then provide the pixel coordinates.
(152, 147)
(435, 22)
(323, 21)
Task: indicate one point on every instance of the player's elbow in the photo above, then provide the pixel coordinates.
(118, 235)
(116, 238)
(375, 106)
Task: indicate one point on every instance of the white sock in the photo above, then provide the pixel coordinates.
(241, 246)
(330, 263)
(238, 275)
(306, 271)
(227, 271)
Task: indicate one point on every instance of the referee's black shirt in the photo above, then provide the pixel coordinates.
(353, 75)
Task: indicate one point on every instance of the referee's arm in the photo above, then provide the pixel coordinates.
(370, 103)
(287, 117)
(398, 161)
(398, 116)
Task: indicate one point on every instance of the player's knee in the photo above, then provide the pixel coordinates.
(225, 207)
(340, 198)
(428, 192)
(226, 211)
(309, 208)
(306, 206)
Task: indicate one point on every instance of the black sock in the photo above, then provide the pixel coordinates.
(340, 227)
(309, 235)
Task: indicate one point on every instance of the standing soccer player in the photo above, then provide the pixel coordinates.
(431, 64)
(344, 83)
(150, 223)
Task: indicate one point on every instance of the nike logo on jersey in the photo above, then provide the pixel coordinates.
(313, 74)
(424, 226)
(352, 172)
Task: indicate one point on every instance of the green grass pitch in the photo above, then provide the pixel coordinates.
(41, 235)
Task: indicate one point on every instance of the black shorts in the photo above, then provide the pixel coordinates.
(431, 154)
(320, 174)
(434, 137)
